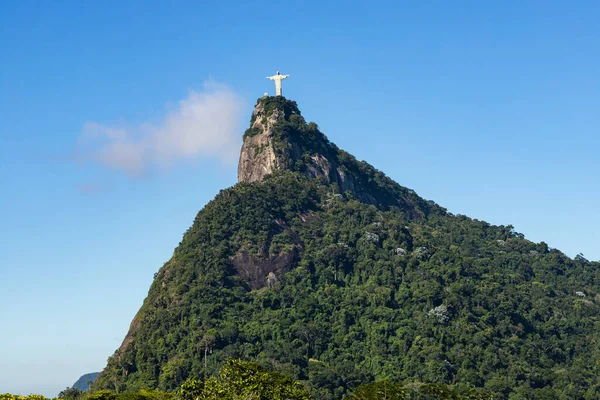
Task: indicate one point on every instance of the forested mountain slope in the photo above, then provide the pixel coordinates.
(83, 383)
(319, 266)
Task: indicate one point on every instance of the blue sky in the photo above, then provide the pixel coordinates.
(488, 108)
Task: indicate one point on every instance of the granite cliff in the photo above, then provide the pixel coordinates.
(279, 138)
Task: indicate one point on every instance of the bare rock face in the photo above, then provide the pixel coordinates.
(259, 272)
(280, 139)
(264, 151)
(257, 157)
(265, 269)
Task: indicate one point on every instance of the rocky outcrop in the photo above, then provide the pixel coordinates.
(258, 271)
(257, 157)
(280, 139)
(274, 141)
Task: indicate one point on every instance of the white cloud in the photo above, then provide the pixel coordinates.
(203, 125)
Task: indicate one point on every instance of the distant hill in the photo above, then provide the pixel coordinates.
(85, 381)
(319, 266)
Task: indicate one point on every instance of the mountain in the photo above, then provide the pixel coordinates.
(319, 266)
(279, 139)
(84, 382)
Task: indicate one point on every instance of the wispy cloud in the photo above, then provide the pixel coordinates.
(90, 188)
(205, 124)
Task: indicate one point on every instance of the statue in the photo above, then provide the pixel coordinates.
(277, 78)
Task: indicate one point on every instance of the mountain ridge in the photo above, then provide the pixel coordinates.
(84, 382)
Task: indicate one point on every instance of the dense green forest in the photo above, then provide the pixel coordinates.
(242, 380)
(334, 292)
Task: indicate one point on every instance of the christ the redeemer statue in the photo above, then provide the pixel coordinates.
(277, 78)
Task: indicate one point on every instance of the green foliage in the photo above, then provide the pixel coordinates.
(102, 395)
(252, 131)
(143, 394)
(71, 394)
(271, 103)
(396, 290)
(244, 380)
(386, 390)
(381, 390)
(74, 394)
(146, 394)
(8, 396)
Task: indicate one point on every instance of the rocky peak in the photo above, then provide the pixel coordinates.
(279, 138)
(258, 156)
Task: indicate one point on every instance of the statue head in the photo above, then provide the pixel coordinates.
(278, 73)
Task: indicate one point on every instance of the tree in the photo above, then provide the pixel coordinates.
(70, 394)
(102, 395)
(382, 390)
(239, 380)
(386, 390)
